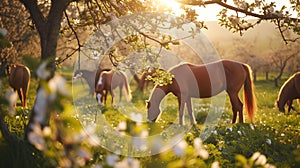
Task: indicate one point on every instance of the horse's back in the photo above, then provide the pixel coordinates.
(297, 82)
(19, 76)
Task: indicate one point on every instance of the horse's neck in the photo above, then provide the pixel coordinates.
(285, 91)
(159, 93)
(88, 74)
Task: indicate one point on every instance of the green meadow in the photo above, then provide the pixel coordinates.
(274, 134)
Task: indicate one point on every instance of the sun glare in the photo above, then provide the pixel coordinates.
(171, 5)
(208, 13)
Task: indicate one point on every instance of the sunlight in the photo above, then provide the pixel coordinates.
(207, 13)
(170, 5)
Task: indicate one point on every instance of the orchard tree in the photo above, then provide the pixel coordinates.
(282, 57)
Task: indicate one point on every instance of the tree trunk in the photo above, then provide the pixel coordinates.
(254, 75)
(267, 75)
(48, 29)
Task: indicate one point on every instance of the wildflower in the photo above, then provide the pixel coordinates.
(84, 154)
(122, 126)
(215, 164)
(139, 143)
(268, 141)
(261, 160)
(138, 117)
(255, 156)
(199, 148)
(252, 126)
(179, 148)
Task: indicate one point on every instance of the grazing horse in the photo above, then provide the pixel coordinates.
(289, 91)
(19, 80)
(204, 81)
(107, 82)
(91, 77)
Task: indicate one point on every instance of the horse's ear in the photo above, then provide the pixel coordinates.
(148, 103)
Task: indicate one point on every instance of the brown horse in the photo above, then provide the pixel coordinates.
(91, 77)
(289, 91)
(19, 80)
(108, 81)
(204, 81)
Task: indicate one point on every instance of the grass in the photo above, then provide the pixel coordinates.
(275, 134)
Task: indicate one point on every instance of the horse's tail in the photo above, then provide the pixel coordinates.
(129, 96)
(249, 97)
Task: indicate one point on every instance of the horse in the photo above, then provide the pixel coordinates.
(19, 80)
(107, 82)
(289, 91)
(194, 81)
(91, 77)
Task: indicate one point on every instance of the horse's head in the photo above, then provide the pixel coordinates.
(77, 74)
(280, 106)
(153, 111)
(99, 98)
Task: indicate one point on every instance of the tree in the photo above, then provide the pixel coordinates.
(282, 57)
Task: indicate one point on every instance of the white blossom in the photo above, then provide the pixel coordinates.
(42, 71)
(47, 132)
(215, 164)
(139, 143)
(111, 159)
(201, 151)
(179, 148)
(138, 117)
(3, 32)
(58, 85)
(12, 98)
(36, 138)
(122, 126)
(40, 106)
(83, 153)
(261, 160)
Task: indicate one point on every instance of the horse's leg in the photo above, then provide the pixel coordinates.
(112, 96)
(24, 92)
(120, 96)
(104, 96)
(190, 111)
(290, 105)
(181, 110)
(20, 95)
(237, 106)
(298, 103)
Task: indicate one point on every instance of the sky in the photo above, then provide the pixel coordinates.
(210, 12)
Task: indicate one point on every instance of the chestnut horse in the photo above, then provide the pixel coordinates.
(204, 81)
(108, 81)
(91, 77)
(19, 80)
(289, 91)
